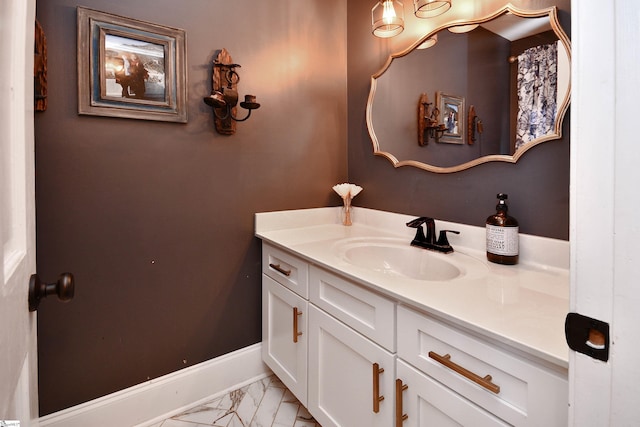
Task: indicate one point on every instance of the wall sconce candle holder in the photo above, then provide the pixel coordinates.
(428, 127)
(224, 95)
(40, 69)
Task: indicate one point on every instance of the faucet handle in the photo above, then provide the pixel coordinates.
(442, 238)
(416, 223)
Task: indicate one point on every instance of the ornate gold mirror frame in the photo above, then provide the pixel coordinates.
(562, 104)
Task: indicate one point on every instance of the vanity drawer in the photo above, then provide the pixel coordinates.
(527, 394)
(367, 312)
(286, 269)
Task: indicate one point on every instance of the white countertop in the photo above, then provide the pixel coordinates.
(522, 306)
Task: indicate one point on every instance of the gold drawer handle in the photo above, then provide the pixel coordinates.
(483, 381)
(377, 370)
(296, 334)
(280, 269)
(400, 417)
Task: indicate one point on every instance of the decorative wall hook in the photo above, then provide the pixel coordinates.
(428, 126)
(224, 95)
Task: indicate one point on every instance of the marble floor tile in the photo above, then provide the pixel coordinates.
(265, 403)
(250, 400)
(286, 414)
(268, 408)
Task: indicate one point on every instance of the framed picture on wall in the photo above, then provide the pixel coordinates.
(453, 117)
(130, 69)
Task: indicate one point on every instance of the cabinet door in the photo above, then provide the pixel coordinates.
(284, 336)
(427, 403)
(343, 378)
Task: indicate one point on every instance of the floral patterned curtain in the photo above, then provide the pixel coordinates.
(537, 92)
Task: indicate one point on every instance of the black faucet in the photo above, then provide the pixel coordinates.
(428, 241)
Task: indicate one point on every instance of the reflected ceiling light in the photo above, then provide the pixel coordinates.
(460, 29)
(431, 41)
(430, 8)
(387, 18)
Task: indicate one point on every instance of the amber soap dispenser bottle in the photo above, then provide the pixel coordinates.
(502, 234)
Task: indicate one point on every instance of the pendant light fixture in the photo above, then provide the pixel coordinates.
(430, 8)
(387, 18)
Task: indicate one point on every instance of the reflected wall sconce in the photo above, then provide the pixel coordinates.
(475, 126)
(387, 16)
(428, 127)
(224, 95)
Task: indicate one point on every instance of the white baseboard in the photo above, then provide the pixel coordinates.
(157, 399)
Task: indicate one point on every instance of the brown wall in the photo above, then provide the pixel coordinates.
(156, 219)
(538, 185)
(489, 91)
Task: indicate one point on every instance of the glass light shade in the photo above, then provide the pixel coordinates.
(387, 18)
(430, 42)
(460, 29)
(430, 8)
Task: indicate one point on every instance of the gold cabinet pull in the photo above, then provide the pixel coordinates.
(280, 269)
(483, 381)
(377, 370)
(400, 417)
(296, 334)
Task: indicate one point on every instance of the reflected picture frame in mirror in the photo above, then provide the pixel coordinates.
(384, 135)
(453, 117)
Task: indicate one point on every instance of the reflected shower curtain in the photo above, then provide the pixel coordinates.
(537, 92)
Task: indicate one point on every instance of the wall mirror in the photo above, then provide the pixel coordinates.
(509, 75)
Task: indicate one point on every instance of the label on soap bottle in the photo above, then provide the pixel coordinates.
(502, 240)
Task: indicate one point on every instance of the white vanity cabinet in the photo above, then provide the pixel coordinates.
(355, 357)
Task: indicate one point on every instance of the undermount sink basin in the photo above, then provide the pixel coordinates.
(392, 256)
